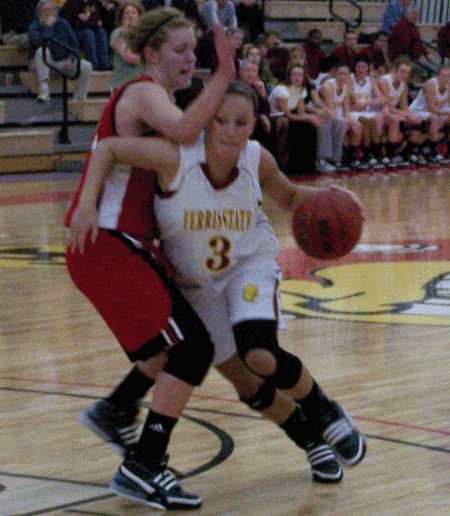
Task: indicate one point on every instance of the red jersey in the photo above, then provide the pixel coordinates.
(127, 201)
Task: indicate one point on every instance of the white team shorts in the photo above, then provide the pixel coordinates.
(252, 292)
(425, 115)
(356, 115)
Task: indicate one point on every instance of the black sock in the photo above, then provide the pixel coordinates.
(298, 430)
(377, 152)
(154, 440)
(131, 390)
(433, 148)
(391, 147)
(350, 154)
(315, 403)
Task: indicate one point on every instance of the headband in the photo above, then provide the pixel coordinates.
(155, 30)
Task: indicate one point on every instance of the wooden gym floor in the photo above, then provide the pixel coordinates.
(373, 328)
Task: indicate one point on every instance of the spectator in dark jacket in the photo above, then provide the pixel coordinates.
(85, 20)
(250, 17)
(48, 25)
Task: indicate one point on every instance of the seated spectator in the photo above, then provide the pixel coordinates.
(15, 18)
(295, 128)
(443, 40)
(395, 10)
(85, 20)
(432, 105)
(250, 18)
(335, 93)
(405, 41)
(265, 73)
(277, 55)
(188, 7)
(314, 53)
(248, 73)
(366, 103)
(377, 55)
(396, 111)
(297, 56)
(237, 36)
(107, 10)
(126, 63)
(222, 10)
(347, 53)
(48, 25)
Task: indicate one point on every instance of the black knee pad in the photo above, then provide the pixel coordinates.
(190, 359)
(289, 370)
(255, 334)
(263, 398)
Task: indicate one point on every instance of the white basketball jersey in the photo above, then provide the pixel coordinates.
(394, 93)
(206, 229)
(338, 98)
(441, 99)
(362, 92)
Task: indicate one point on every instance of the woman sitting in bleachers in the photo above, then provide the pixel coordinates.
(295, 128)
(126, 63)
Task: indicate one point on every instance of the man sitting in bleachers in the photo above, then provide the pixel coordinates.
(406, 41)
(48, 24)
(314, 53)
(377, 55)
(347, 53)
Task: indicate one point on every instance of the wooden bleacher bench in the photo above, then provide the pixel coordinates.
(307, 14)
(88, 110)
(100, 82)
(12, 56)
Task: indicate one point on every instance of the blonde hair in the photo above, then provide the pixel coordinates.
(154, 26)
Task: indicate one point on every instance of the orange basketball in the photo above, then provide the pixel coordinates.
(327, 224)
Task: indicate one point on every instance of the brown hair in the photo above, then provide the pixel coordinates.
(123, 5)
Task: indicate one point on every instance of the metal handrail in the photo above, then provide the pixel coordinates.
(63, 136)
(427, 67)
(348, 23)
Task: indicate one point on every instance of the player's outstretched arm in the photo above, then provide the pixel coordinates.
(286, 194)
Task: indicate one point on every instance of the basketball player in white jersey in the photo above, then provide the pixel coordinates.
(366, 101)
(224, 250)
(396, 112)
(433, 105)
(335, 94)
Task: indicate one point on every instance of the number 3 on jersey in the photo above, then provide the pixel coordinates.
(221, 248)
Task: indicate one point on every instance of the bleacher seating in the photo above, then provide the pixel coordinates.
(37, 148)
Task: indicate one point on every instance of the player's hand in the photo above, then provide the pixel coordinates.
(353, 198)
(84, 220)
(224, 50)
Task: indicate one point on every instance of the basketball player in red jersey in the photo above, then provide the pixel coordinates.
(124, 274)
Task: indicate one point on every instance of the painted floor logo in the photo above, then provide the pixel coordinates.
(405, 283)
